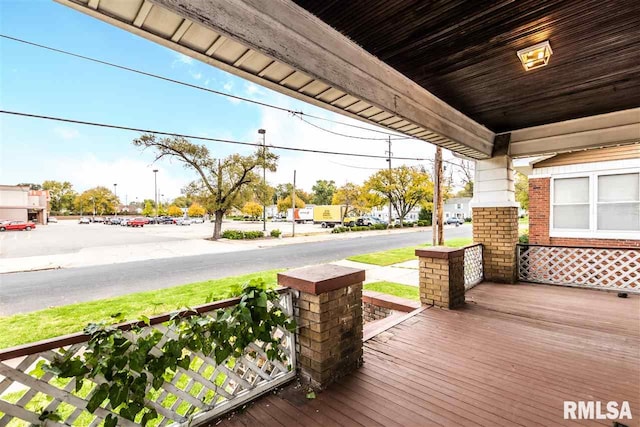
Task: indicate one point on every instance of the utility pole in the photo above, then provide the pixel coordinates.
(389, 160)
(438, 234)
(293, 206)
(155, 190)
(115, 193)
(264, 180)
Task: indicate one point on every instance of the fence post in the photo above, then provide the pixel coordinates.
(328, 310)
(441, 276)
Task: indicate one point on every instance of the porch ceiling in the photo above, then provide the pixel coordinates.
(465, 53)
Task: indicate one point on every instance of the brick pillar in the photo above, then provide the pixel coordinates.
(539, 210)
(497, 229)
(328, 310)
(441, 276)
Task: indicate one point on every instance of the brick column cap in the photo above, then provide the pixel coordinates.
(442, 252)
(319, 279)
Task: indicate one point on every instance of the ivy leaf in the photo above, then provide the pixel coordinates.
(101, 393)
(79, 384)
(118, 394)
(145, 320)
(136, 361)
(184, 363)
(311, 395)
(48, 415)
(262, 300)
(148, 416)
(110, 421)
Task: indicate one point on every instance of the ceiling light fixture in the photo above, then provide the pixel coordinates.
(535, 56)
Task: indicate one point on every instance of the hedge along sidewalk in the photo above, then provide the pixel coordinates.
(396, 256)
(52, 322)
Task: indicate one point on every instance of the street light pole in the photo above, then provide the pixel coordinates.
(264, 180)
(115, 193)
(155, 190)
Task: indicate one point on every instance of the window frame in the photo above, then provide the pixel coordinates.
(592, 231)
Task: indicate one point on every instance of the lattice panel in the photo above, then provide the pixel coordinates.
(473, 269)
(192, 396)
(617, 269)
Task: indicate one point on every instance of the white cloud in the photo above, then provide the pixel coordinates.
(196, 76)
(66, 133)
(184, 59)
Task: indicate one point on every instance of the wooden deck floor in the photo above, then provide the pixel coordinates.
(510, 357)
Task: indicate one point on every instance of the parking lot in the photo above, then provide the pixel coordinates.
(69, 236)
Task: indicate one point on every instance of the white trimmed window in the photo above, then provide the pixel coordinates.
(604, 204)
(618, 206)
(571, 203)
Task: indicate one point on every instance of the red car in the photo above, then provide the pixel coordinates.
(137, 222)
(17, 225)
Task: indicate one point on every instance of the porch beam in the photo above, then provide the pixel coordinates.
(604, 130)
(290, 35)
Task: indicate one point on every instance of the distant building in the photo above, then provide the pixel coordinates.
(457, 207)
(382, 213)
(19, 203)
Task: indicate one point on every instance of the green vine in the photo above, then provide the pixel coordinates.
(125, 361)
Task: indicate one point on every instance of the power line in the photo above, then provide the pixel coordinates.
(202, 138)
(345, 135)
(215, 92)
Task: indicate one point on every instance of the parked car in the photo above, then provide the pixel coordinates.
(183, 221)
(52, 219)
(166, 220)
(84, 220)
(125, 221)
(137, 222)
(369, 221)
(197, 220)
(113, 221)
(17, 225)
(98, 219)
(454, 220)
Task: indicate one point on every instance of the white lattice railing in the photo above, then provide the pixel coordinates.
(189, 397)
(473, 268)
(602, 268)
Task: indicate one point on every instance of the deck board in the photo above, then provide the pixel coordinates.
(511, 356)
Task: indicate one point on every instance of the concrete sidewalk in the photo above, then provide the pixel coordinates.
(405, 273)
(103, 255)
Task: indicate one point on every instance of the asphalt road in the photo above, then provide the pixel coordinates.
(25, 292)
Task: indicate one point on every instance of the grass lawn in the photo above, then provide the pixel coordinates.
(394, 256)
(524, 220)
(390, 288)
(56, 321)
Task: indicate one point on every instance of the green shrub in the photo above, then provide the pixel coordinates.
(339, 229)
(523, 238)
(253, 234)
(233, 234)
(424, 223)
(467, 219)
(425, 215)
(378, 227)
(276, 233)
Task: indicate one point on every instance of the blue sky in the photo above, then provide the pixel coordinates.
(37, 81)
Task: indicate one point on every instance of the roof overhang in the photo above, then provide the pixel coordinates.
(285, 48)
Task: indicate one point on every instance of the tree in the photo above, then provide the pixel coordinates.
(174, 211)
(183, 201)
(253, 209)
(196, 210)
(352, 196)
(404, 186)
(323, 192)
(149, 209)
(104, 201)
(285, 203)
(61, 195)
(31, 185)
(222, 182)
(522, 190)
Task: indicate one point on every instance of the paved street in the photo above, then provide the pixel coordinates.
(23, 292)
